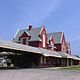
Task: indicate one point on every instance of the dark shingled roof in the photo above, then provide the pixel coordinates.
(19, 47)
(57, 36)
(25, 48)
(34, 33)
(65, 55)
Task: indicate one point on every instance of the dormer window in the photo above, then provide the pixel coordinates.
(24, 38)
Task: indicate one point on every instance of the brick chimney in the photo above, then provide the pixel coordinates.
(30, 27)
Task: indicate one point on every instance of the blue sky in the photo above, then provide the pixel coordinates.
(56, 15)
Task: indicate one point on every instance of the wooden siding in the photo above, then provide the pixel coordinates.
(58, 47)
(43, 32)
(51, 44)
(24, 38)
(63, 44)
(35, 43)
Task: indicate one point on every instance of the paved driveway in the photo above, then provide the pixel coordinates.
(39, 74)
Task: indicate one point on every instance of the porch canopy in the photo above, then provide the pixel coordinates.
(75, 57)
(3, 53)
(18, 47)
(50, 53)
(65, 55)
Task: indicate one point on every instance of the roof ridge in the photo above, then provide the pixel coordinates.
(32, 28)
(54, 32)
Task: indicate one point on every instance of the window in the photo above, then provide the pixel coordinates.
(64, 47)
(52, 44)
(44, 40)
(24, 41)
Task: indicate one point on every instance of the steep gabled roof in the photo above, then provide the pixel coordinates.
(57, 36)
(19, 33)
(34, 33)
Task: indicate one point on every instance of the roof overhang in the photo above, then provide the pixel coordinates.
(50, 53)
(18, 47)
(75, 57)
(65, 55)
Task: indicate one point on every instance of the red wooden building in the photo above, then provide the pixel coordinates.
(63, 47)
(38, 37)
(59, 41)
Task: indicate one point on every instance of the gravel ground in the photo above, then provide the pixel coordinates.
(39, 74)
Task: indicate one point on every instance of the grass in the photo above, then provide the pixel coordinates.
(72, 68)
